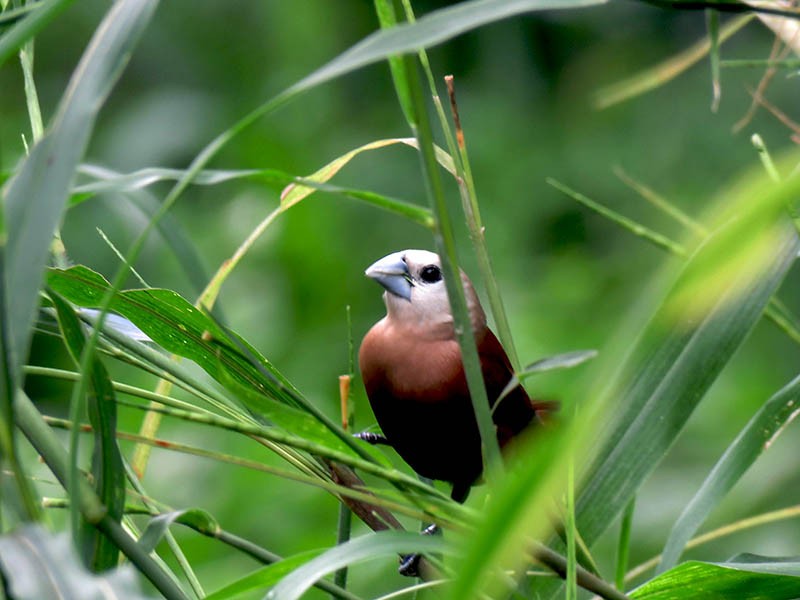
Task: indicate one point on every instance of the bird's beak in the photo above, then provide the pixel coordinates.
(392, 273)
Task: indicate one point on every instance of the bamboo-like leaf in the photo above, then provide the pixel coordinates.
(107, 469)
(719, 295)
(35, 197)
(173, 323)
(158, 526)
(677, 358)
(755, 438)
(357, 550)
(38, 565)
(744, 578)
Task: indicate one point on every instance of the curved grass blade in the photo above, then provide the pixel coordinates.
(431, 29)
(767, 579)
(35, 197)
(173, 323)
(656, 76)
(265, 577)
(755, 438)
(108, 473)
(195, 518)
(296, 192)
(374, 545)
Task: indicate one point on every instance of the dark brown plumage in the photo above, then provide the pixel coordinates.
(411, 366)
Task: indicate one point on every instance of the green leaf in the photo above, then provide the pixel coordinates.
(755, 438)
(36, 196)
(24, 29)
(513, 518)
(429, 30)
(719, 295)
(107, 468)
(769, 579)
(174, 324)
(265, 577)
(295, 421)
(717, 299)
(38, 565)
(366, 547)
(180, 328)
(567, 360)
(157, 528)
(296, 192)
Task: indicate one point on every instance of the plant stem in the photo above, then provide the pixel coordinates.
(47, 445)
(444, 239)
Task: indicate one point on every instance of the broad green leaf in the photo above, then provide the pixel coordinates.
(35, 198)
(38, 565)
(157, 528)
(177, 326)
(173, 323)
(755, 438)
(265, 577)
(107, 469)
(763, 580)
(383, 544)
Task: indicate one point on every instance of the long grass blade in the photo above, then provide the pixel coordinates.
(756, 437)
(36, 196)
(712, 306)
(107, 470)
(360, 549)
(664, 72)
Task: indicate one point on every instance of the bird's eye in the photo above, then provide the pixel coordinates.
(430, 274)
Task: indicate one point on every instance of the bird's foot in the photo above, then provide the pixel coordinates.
(372, 438)
(409, 563)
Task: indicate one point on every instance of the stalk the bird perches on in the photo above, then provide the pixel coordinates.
(412, 370)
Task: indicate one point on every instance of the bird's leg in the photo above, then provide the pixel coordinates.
(372, 438)
(409, 564)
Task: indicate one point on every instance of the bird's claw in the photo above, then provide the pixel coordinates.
(372, 438)
(409, 565)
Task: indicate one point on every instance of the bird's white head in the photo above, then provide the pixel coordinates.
(416, 295)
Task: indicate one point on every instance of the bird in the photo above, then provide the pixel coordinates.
(411, 367)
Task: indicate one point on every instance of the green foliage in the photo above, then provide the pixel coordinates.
(554, 499)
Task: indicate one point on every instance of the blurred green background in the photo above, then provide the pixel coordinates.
(569, 277)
